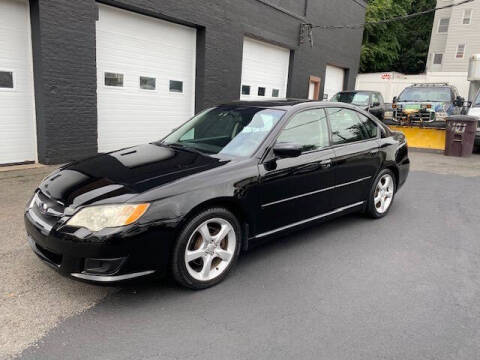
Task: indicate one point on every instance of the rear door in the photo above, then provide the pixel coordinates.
(357, 158)
(296, 189)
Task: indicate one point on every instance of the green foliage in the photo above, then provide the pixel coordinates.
(397, 46)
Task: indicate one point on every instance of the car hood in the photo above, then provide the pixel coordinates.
(122, 174)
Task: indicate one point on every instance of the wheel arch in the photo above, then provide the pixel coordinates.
(396, 173)
(231, 205)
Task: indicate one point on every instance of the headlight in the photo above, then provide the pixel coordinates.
(96, 218)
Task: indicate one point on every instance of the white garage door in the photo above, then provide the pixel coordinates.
(17, 115)
(145, 75)
(334, 79)
(264, 70)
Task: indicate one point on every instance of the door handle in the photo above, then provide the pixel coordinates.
(326, 163)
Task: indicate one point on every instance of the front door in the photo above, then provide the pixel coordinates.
(295, 189)
(357, 157)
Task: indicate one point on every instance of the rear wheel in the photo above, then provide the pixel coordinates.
(382, 194)
(206, 249)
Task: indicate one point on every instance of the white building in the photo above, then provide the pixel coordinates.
(455, 37)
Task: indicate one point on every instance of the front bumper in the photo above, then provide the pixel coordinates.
(125, 253)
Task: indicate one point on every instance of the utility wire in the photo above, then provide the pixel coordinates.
(359, 3)
(385, 21)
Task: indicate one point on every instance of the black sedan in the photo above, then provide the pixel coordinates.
(230, 177)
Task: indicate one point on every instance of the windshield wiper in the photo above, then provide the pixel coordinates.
(184, 147)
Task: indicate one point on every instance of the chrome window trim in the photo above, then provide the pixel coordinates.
(316, 191)
(309, 219)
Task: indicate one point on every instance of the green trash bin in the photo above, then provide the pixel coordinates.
(460, 137)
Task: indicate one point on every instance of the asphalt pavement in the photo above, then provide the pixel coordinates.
(403, 287)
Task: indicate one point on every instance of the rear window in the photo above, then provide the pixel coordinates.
(426, 94)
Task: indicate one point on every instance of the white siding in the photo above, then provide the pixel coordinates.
(135, 45)
(458, 33)
(17, 114)
(264, 65)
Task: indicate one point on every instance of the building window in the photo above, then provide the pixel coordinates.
(261, 91)
(467, 16)
(6, 80)
(437, 59)
(245, 89)
(147, 83)
(176, 86)
(275, 92)
(460, 51)
(113, 79)
(443, 25)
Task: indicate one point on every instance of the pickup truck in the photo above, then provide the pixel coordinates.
(475, 111)
(371, 101)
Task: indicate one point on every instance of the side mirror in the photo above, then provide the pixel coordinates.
(394, 99)
(376, 104)
(287, 150)
(459, 101)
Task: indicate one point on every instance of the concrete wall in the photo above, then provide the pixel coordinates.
(393, 84)
(65, 69)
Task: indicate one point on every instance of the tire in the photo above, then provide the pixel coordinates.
(379, 204)
(211, 256)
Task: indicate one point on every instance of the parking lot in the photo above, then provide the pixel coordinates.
(403, 287)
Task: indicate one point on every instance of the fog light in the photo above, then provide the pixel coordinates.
(103, 266)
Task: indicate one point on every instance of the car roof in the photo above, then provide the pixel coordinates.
(286, 104)
(356, 91)
(282, 103)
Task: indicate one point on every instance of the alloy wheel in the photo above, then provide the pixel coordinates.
(383, 195)
(210, 249)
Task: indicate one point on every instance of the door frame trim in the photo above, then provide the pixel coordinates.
(316, 191)
(341, 209)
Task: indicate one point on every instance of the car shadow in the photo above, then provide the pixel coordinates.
(275, 247)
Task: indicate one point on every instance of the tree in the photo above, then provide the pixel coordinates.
(397, 46)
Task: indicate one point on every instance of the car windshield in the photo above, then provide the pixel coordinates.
(421, 94)
(227, 130)
(354, 98)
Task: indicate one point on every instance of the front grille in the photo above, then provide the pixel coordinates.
(421, 116)
(47, 206)
(45, 212)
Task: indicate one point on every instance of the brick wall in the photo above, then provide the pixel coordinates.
(63, 37)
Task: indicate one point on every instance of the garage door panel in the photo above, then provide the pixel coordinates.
(135, 45)
(334, 80)
(264, 65)
(17, 121)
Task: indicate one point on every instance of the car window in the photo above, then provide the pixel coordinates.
(371, 128)
(308, 128)
(476, 102)
(347, 126)
(376, 99)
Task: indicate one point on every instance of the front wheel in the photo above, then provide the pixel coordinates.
(382, 194)
(206, 249)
